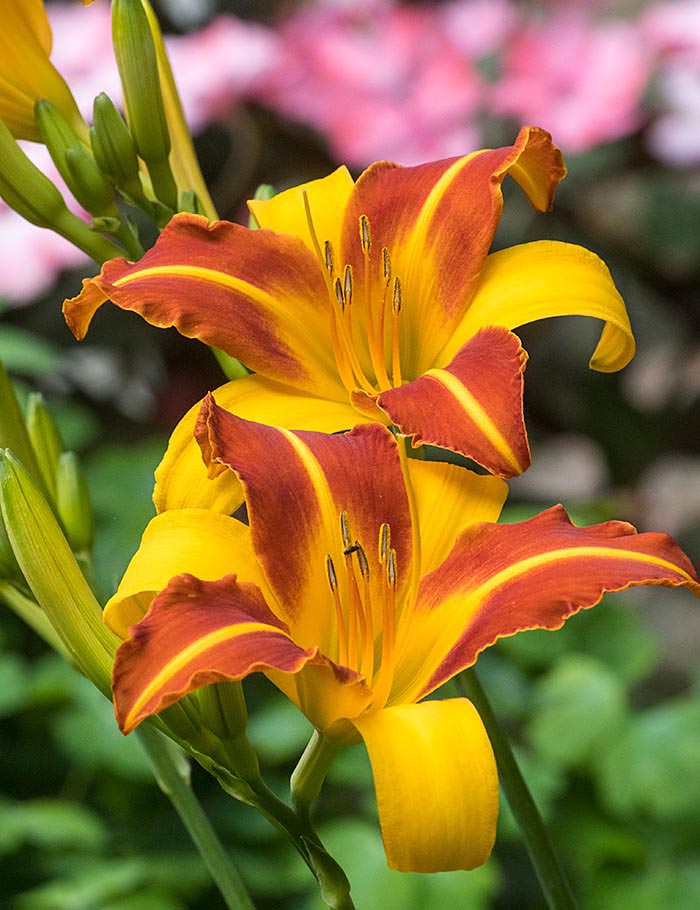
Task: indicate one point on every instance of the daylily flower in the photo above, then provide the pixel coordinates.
(364, 581)
(377, 297)
(26, 73)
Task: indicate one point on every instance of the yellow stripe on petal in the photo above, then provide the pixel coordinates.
(548, 278)
(188, 655)
(436, 782)
(481, 418)
(203, 543)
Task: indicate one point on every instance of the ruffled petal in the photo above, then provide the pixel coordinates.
(436, 782)
(548, 278)
(448, 498)
(197, 541)
(181, 477)
(297, 487)
(289, 213)
(502, 579)
(200, 632)
(437, 223)
(259, 296)
(473, 406)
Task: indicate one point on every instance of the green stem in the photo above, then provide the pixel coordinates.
(549, 871)
(167, 765)
(310, 772)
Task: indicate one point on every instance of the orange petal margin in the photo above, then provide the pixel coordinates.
(437, 221)
(502, 579)
(197, 633)
(259, 296)
(473, 406)
(297, 484)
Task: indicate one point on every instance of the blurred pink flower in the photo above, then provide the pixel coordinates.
(581, 80)
(381, 80)
(672, 31)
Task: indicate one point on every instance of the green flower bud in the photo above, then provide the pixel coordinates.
(73, 503)
(77, 167)
(13, 429)
(46, 440)
(24, 188)
(138, 69)
(113, 145)
(33, 196)
(53, 575)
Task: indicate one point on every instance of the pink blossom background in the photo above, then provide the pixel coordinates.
(377, 79)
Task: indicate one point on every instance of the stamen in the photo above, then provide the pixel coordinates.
(345, 529)
(361, 560)
(365, 237)
(396, 305)
(340, 294)
(339, 618)
(384, 542)
(391, 568)
(386, 264)
(347, 285)
(396, 297)
(328, 253)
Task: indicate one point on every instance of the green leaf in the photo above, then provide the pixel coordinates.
(653, 766)
(49, 824)
(577, 708)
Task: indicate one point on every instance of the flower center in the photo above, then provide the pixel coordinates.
(365, 610)
(366, 350)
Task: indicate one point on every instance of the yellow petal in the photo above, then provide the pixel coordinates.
(447, 499)
(548, 278)
(436, 782)
(181, 477)
(203, 543)
(326, 199)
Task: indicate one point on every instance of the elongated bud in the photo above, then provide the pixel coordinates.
(8, 564)
(13, 429)
(73, 503)
(223, 712)
(24, 188)
(45, 439)
(113, 145)
(33, 196)
(53, 575)
(138, 69)
(77, 167)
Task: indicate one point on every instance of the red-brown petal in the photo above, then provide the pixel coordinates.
(473, 406)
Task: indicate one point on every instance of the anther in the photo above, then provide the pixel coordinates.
(328, 253)
(362, 560)
(332, 577)
(347, 285)
(386, 264)
(391, 568)
(384, 542)
(345, 530)
(396, 300)
(365, 238)
(339, 293)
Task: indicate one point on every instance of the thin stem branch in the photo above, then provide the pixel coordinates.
(167, 765)
(546, 863)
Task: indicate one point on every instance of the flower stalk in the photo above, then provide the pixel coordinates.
(548, 868)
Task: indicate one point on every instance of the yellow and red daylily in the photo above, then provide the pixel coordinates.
(374, 300)
(26, 72)
(364, 581)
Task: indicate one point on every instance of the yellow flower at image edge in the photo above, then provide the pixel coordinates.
(363, 582)
(374, 300)
(26, 72)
